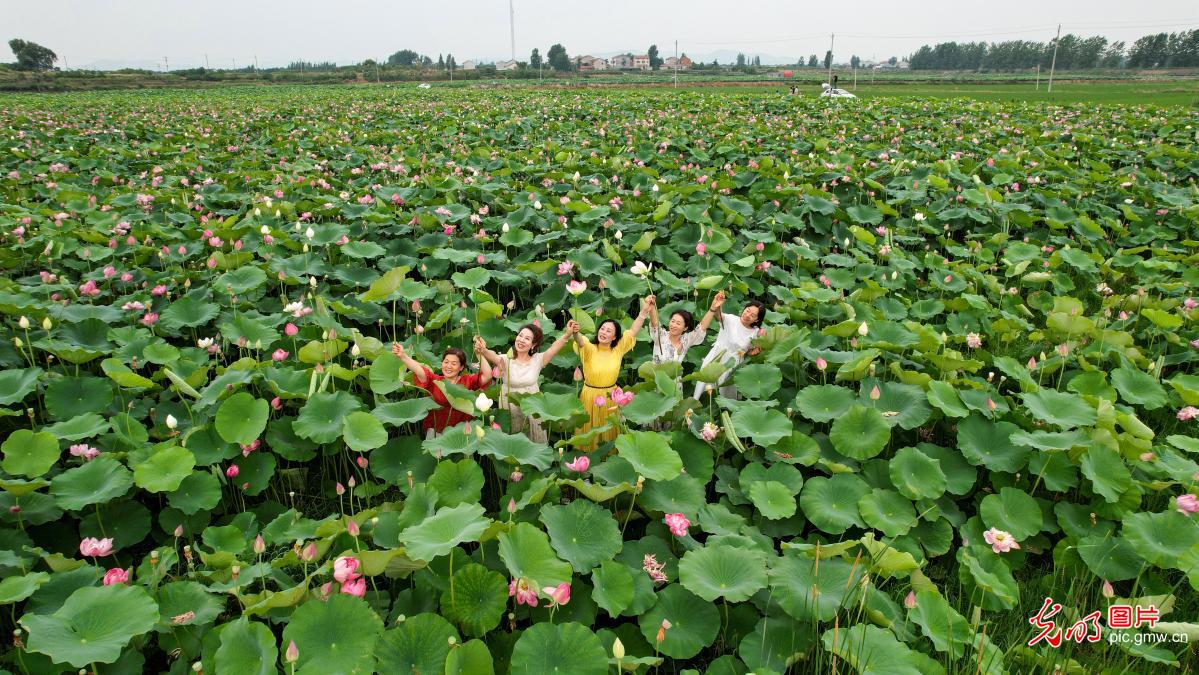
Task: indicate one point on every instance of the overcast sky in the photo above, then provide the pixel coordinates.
(142, 32)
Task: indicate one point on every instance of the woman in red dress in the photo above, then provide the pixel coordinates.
(453, 370)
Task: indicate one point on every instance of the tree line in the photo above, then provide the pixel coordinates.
(1162, 50)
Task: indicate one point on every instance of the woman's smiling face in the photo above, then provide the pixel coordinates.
(606, 332)
(523, 341)
(450, 366)
(749, 316)
(677, 325)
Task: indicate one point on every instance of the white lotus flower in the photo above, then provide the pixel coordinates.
(264, 229)
(537, 204)
(23, 323)
(47, 324)
(619, 235)
(310, 233)
(504, 227)
(355, 351)
(482, 403)
(919, 217)
(863, 329)
(640, 269)
(172, 422)
(204, 343)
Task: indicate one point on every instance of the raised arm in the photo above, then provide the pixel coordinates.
(572, 327)
(484, 367)
(418, 370)
(549, 354)
(492, 358)
(640, 320)
(654, 324)
(717, 302)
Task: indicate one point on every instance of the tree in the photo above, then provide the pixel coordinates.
(32, 56)
(740, 60)
(828, 59)
(758, 60)
(854, 61)
(535, 58)
(893, 61)
(813, 61)
(654, 61)
(450, 64)
(440, 62)
(404, 57)
(557, 58)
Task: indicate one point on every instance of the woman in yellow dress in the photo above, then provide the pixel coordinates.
(601, 369)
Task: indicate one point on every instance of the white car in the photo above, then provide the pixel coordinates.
(827, 91)
(424, 85)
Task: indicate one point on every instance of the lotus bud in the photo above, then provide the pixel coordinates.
(618, 649)
(23, 323)
(17, 342)
(171, 422)
(863, 329)
(264, 229)
(259, 545)
(292, 654)
(355, 351)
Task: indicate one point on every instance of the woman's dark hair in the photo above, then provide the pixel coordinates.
(615, 336)
(761, 311)
(688, 319)
(537, 336)
(459, 353)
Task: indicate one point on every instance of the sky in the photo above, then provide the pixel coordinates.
(141, 33)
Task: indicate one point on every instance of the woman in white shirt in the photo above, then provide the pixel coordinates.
(733, 341)
(521, 370)
(680, 335)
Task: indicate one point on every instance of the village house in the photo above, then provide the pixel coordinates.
(621, 62)
(506, 65)
(589, 63)
(469, 65)
(682, 62)
(641, 62)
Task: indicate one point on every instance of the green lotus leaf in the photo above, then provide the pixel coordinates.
(714, 572)
(1161, 538)
(1060, 408)
(772, 499)
(871, 650)
(29, 454)
(916, 475)
(582, 533)
(93, 625)
(337, 635)
(17, 383)
(990, 444)
(860, 433)
(527, 553)
(438, 534)
(420, 644)
(321, 418)
(516, 448)
(476, 600)
(246, 647)
(242, 418)
(69, 397)
(164, 470)
(831, 504)
(363, 432)
(694, 622)
(650, 454)
(1013, 511)
(558, 648)
(764, 426)
(810, 592)
(96, 482)
(612, 587)
(1139, 388)
(888, 511)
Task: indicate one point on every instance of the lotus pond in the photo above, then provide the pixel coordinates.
(975, 389)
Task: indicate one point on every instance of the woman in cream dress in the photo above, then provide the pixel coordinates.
(521, 371)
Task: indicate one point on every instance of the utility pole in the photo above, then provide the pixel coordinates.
(377, 80)
(255, 64)
(855, 78)
(235, 63)
(206, 61)
(831, 38)
(166, 65)
(676, 64)
(512, 27)
(1038, 77)
(1053, 63)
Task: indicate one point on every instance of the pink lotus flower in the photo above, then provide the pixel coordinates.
(709, 432)
(232, 471)
(1032, 363)
(1187, 504)
(580, 464)
(89, 289)
(600, 401)
(345, 569)
(1190, 303)
(95, 548)
(760, 246)
(910, 600)
(110, 272)
(115, 575)
(1000, 541)
(1108, 591)
(576, 287)
(821, 364)
(578, 375)
(85, 451)
(1188, 413)
(701, 248)
(293, 653)
(621, 397)
(523, 592)
(279, 355)
(516, 476)
(290, 329)
(277, 403)
(974, 340)
(559, 595)
(149, 318)
(356, 587)
(875, 394)
(677, 523)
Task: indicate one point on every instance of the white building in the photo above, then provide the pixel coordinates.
(641, 62)
(621, 62)
(506, 65)
(469, 65)
(588, 63)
